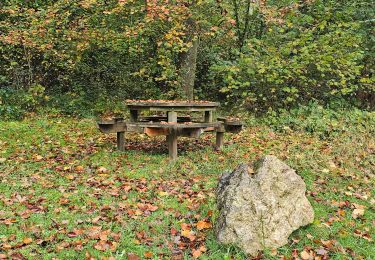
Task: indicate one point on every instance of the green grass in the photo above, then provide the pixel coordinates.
(45, 196)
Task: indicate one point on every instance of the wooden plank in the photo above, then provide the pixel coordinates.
(111, 126)
(149, 131)
(182, 109)
(169, 108)
(173, 125)
(121, 141)
(173, 104)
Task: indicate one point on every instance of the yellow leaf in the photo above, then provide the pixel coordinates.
(27, 240)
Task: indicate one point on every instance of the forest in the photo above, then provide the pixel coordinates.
(87, 56)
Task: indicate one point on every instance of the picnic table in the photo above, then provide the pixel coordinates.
(170, 124)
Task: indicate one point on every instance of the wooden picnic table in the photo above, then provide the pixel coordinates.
(170, 124)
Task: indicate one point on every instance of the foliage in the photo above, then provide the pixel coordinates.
(308, 55)
(13, 103)
(260, 54)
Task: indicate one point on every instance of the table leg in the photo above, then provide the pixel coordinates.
(172, 145)
(172, 137)
(219, 139)
(121, 141)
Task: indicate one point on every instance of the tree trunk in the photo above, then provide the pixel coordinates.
(188, 63)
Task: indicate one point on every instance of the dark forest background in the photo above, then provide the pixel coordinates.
(86, 57)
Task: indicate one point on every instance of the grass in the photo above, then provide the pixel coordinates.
(67, 193)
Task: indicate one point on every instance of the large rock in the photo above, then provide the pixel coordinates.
(261, 205)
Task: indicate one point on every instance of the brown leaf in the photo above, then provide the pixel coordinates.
(17, 256)
(152, 208)
(132, 256)
(185, 226)
(196, 253)
(188, 234)
(70, 177)
(173, 231)
(102, 170)
(105, 245)
(203, 225)
(327, 243)
(6, 247)
(72, 234)
(79, 168)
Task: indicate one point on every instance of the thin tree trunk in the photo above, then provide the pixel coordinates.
(188, 63)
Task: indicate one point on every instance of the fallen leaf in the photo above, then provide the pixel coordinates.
(79, 168)
(357, 213)
(148, 254)
(327, 243)
(6, 247)
(321, 251)
(102, 170)
(132, 256)
(38, 158)
(203, 225)
(309, 236)
(188, 234)
(305, 255)
(196, 253)
(27, 240)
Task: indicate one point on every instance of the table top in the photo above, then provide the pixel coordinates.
(171, 105)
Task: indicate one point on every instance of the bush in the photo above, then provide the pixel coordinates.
(326, 122)
(279, 73)
(14, 103)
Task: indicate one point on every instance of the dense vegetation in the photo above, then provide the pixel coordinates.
(85, 56)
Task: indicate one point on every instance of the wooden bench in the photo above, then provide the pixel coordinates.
(170, 130)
